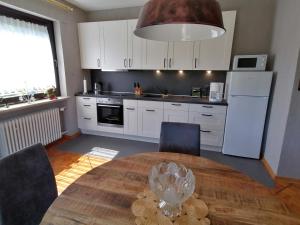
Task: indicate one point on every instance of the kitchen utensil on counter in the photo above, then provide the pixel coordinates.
(196, 92)
(97, 88)
(84, 86)
(137, 89)
(216, 92)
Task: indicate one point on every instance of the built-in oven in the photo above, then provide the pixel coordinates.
(110, 112)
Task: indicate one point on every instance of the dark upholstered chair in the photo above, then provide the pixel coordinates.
(27, 187)
(180, 138)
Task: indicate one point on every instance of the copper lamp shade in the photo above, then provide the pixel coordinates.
(180, 20)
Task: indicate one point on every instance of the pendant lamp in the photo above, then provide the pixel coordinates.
(180, 20)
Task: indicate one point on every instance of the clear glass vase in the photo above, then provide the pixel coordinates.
(173, 184)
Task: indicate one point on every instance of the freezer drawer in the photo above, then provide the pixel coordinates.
(244, 126)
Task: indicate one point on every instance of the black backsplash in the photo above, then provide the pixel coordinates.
(151, 82)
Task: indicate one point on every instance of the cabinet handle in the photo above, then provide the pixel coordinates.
(170, 63)
(130, 63)
(165, 62)
(87, 105)
(208, 115)
(150, 110)
(125, 63)
(132, 109)
(205, 131)
(176, 104)
(208, 107)
(195, 63)
(86, 98)
(87, 118)
(99, 62)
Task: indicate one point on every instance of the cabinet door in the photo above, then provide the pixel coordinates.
(130, 117)
(180, 55)
(135, 56)
(89, 42)
(155, 55)
(86, 113)
(115, 45)
(176, 116)
(149, 122)
(215, 54)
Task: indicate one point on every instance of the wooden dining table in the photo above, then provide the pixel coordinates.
(104, 195)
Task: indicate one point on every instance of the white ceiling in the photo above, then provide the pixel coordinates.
(93, 5)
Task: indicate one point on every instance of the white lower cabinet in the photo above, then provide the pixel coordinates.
(86, 113)
(130, 117)
(144, 118)
(150, 117)
(176, 112)
(212, 123)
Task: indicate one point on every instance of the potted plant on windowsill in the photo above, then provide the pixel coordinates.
(51, 93)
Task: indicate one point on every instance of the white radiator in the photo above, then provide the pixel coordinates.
(21, 132)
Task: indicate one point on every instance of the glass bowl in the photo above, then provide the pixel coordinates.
(173, 184)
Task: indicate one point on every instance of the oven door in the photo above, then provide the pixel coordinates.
(110, 115)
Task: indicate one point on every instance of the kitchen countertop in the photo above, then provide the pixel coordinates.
(156, 97)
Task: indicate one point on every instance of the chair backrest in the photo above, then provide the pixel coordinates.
(180, 138)
(27, 187)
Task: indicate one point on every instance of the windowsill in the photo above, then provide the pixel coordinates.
(22, 106)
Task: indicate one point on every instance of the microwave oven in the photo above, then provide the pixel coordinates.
(250, 63)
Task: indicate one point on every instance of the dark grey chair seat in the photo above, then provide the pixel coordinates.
(27, 187)
(180, 138)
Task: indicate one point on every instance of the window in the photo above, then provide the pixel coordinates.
(27, 54)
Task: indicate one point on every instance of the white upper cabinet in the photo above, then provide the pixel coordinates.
(112, 45)
(89, 41)
(180, 55)
(215, 54)
(115, 45)
(155, 55)
(135, 56)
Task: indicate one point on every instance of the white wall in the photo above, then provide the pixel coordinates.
(285, 47)
(67, 44)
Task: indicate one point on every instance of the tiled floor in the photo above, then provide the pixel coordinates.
(69, 164)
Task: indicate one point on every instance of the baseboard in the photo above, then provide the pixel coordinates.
(269, 169)
(70, 137)
(63, 139)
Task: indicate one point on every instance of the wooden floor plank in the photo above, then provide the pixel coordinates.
(68, 167)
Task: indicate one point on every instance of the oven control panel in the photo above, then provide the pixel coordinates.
(110, 101)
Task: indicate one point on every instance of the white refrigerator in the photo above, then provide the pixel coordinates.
(248, 97)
